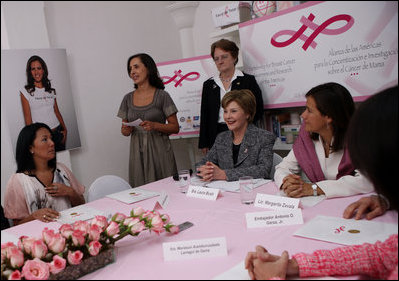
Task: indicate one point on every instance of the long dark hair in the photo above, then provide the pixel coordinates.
(30, 86)
(153, 74)
(335, 101)
(23, 156)
(373, 141)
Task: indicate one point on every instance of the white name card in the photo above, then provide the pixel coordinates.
(202, 192)
(274, 218)
(276, 202)
(191, 249)
(162, 202)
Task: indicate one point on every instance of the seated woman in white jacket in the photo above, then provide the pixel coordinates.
(319, 163)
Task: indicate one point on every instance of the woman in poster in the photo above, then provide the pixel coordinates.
(39, 103)
(225, 56)
(151, 153)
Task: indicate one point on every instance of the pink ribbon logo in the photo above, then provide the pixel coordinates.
(317, 29)
(178, 78)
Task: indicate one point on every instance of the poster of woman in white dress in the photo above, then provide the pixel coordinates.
(35, 87)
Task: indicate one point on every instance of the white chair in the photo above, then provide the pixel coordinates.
(105, 185)
(276, 160)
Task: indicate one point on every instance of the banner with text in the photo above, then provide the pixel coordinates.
(183, 80)
(351, 43)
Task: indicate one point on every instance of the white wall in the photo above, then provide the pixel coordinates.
(99, 37)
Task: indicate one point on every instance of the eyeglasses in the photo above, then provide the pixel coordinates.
(222, 57)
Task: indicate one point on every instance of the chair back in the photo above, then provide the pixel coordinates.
(105, 185)
(276, 160)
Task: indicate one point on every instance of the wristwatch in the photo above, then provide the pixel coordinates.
(314, 187)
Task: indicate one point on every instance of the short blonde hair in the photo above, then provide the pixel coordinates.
(245, 99)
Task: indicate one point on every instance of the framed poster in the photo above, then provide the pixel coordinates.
(14, 87)
(183, 81)
(293, 50)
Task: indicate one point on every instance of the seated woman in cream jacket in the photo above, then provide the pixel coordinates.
(319, 164)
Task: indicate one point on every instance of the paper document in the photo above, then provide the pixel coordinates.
(133, 195)
(79, 213)
(134, 123)
(346, 231)
(234, 186)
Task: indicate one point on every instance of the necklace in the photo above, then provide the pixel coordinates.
(225, 80)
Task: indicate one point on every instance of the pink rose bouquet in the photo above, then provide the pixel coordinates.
(55, 251)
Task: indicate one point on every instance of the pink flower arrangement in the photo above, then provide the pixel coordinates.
(37, 259)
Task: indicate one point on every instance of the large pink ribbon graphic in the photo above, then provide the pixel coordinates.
(317, 29)
(178, 75)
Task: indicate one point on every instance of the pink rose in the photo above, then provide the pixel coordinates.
(101, 221)
(118, 217)
(112, 229)
(94, 232)
(47, 235)
(39, 249)
(6, 247)
(137, 228)
(35, 269)
(148, 214)
(165, 218)
(130, 221)
(57, 265)
(94, 248)
(137, 212)
(78, 237)
(75, 257)
(16, 257)
(57, 244)
(82, 226)
(157, 224)
(16, 275)
(25, 244)
(66, 230)
(174, 229)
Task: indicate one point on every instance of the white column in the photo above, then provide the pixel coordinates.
(183, 12)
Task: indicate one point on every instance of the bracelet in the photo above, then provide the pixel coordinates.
(386, 201)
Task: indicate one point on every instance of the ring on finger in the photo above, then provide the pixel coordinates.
(44, 217)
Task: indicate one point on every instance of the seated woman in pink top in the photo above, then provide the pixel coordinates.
(369, 153)
(41, 187)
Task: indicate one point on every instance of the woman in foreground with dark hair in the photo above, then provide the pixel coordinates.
(41, 187)
(369, 153)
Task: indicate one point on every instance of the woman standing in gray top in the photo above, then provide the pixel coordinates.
(243, 150)
(151, 154)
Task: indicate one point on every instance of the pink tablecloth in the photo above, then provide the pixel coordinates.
(142, 257)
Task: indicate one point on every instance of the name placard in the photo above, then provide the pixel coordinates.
(202, 192)
(276, 202)
(191, 249)
(162, 202)
(274, 218)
